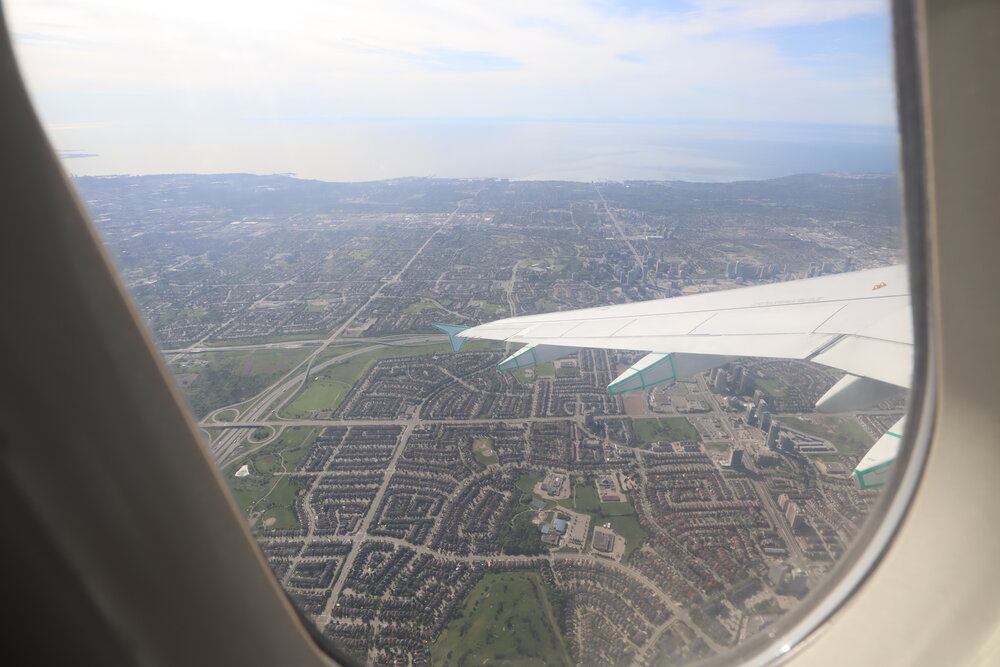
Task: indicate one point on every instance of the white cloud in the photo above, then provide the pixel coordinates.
(439, 58)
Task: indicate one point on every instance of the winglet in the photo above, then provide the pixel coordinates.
(453, 332)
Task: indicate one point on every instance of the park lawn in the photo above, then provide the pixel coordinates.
(490, 309)
(320, 394)
(567, 371)
(585, 497)
(844, 433)
(267, 361)
(547, 369)
(617, 509)
(670, 429)
(773, 387)
(266, 493)
(261, 340)
(544, 305)
(719, 446)
(234, 376)
(227, 415)
(420, 306)
(327, 389)
(284, 492)
(526, 482)
(629, 528)
(266, 463)
(280, 502)
(522, 378)
(506, 619)
(481, 444)
(284, 519)
(260, 434)
(768, 606)
(247, 490)
(293, 444)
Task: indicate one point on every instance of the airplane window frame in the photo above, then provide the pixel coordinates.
(793, 632)
(795, 628)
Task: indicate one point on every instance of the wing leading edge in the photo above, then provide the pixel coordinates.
(857, 322)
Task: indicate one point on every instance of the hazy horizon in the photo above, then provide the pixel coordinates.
(358, 151)
(576, 89)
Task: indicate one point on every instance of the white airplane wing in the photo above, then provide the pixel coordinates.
(858, 322)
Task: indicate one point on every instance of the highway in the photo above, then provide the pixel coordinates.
(272, 399)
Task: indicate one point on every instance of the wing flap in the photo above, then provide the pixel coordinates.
(858, 322)
(656, 368)
(882, 360)
(873, 468)
(781, 346)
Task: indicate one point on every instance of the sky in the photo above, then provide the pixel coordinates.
(110, 76)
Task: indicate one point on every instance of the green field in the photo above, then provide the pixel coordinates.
(280, 505)
(490, 309)
(617, 509)
(507, 619)
(227, 415)
(526, 482)
(274, 495)
(420, 306)
(629, 528)
(326, 389)
(845, 433)
(547, 305)
(260, 434)
(322, 393)
(626, 526)
(545, 370)
(670, 429)
(773, 387)
(234, 376)
(585, 497)
(261, 340)
(481, 444)
(719, 446)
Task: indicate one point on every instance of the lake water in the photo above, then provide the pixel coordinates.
(359, 150)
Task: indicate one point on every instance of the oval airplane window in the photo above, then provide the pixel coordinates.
(534, 334)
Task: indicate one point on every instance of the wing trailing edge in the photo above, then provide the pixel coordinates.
(859, 322)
